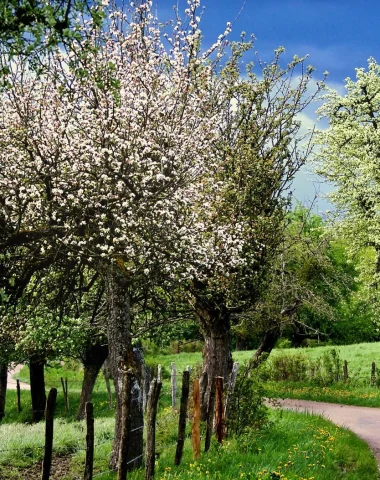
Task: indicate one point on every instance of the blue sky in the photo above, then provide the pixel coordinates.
(338, 35)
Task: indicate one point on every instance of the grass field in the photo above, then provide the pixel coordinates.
(357, 391)
(295, 446)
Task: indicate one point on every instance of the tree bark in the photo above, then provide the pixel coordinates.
(37, 387)
(120, 359)
(3, 388)
(93, 360)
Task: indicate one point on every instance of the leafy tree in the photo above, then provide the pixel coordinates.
(312, 283)
(29, 27)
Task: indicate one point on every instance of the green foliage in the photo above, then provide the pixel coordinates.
(313, 289)
(289, 367)
(28, 27)
(297, 367)
(247, 410)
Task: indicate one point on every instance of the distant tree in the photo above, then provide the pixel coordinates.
(311, 282)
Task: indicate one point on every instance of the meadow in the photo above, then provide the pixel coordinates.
(356, 391)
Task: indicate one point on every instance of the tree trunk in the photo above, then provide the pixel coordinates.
(217, 358)
(241, 343)
(93, 360)
(37, 387)
(3, 388)
(267, 344)
(120, 358)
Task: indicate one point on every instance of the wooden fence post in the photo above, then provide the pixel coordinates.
(126, 425)
(89, 442)
(219, 411)
(196, 429)
(49, 427)
(182, 417)
(18, 396)
(373, 373)
(174, 386)
(65, 395)
(150, 448)
(345, 371)
(210, 415)
(159, 373)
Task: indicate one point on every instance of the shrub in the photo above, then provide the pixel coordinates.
(289, 367)
(246, 408)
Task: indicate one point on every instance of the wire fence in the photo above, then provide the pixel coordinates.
(167, 393)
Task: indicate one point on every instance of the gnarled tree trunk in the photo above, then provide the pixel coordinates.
(3, 387)
(93, 360)
(37, 387)
(217, 358)
(121, 358)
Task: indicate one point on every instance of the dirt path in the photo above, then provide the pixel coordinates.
(364, 421)
(11, 382)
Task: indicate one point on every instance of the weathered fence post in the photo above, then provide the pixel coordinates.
(210, 415)
(159, 373)
(373, 373)
(231, 388)
(174, 386)
(219, 411)
(182, 416)
(49, 427)
(196, 429)
(345, 371)
(18, 396)
(88, 469)
(150, 448)
(125, 427)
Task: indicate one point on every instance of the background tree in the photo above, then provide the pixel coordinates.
(311, 286)
(30, 27)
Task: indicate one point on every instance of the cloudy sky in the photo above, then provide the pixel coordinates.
(339, 36)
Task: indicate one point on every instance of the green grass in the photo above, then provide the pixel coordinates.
(359, 357)
(296, 446)
(338, 393)
(357, 391)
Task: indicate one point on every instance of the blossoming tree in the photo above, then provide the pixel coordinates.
(348, 158)
(260, 149)
(104, 155)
